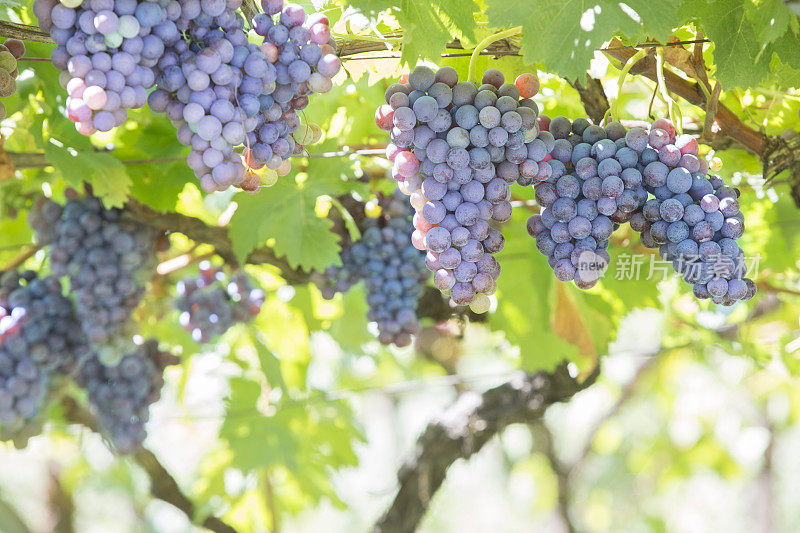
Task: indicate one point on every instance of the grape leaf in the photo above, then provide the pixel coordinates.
(285, 212)
(427, 26)
(270, 365)
(159, 184)
(256, 440)
(573, 29)
(568, 323)
(459, 17)
(658, 19)
(736, 48)
(104, 172)
(770, 20)
(107, 176)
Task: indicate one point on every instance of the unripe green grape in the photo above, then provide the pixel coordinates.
(269, 178)
(113, 40)
(7, 84)
(7, 61)
(480, 304)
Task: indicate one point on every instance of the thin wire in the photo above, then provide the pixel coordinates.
(501, 53)
(459, 54)
(338, 395)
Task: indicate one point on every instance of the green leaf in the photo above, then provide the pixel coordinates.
(286, 213)
(257, 441)
(104, 172)
(736, 48)
(270, 365)
(658, 19)
(159, 184)
(459, 16)
(564, 34)
(107, 176)
(427, 26)
(770, 20)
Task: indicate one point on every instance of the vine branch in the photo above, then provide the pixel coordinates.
(162, 485)
(464, 429)
(729, 124)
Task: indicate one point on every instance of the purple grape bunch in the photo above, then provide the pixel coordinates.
(210, 303)
(120, 396)
(221, 91)
(693, 218)
(456, 148)
(211, 84)
(39, 339)
(305, 60)
(105, 51)
(393, 270)
(597, 178)
(109, 258)
(587, 187)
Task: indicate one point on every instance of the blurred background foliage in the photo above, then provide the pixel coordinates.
(299, 421)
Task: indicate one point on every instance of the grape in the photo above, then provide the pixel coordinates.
(394, 272)
(597, 185)
(212, 303)
(528, 85)
(10, 51)
(108, 258)
(249, 94)
(120, 396)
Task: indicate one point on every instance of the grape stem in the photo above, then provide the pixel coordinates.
(473, 60)
(21, 257)
(621, 81)
(674, 111)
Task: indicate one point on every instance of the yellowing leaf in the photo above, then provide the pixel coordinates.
(568, 323)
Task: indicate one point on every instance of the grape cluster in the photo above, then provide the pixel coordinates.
(210, 81)
(108, 259)
(121, 395)
(105, 51)
(456, 147)
(692, 218)
(305, 61)
(393, 270)
(588, 185)
(210, 304)
(10, 51)
(220, 91)
(39, 338)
